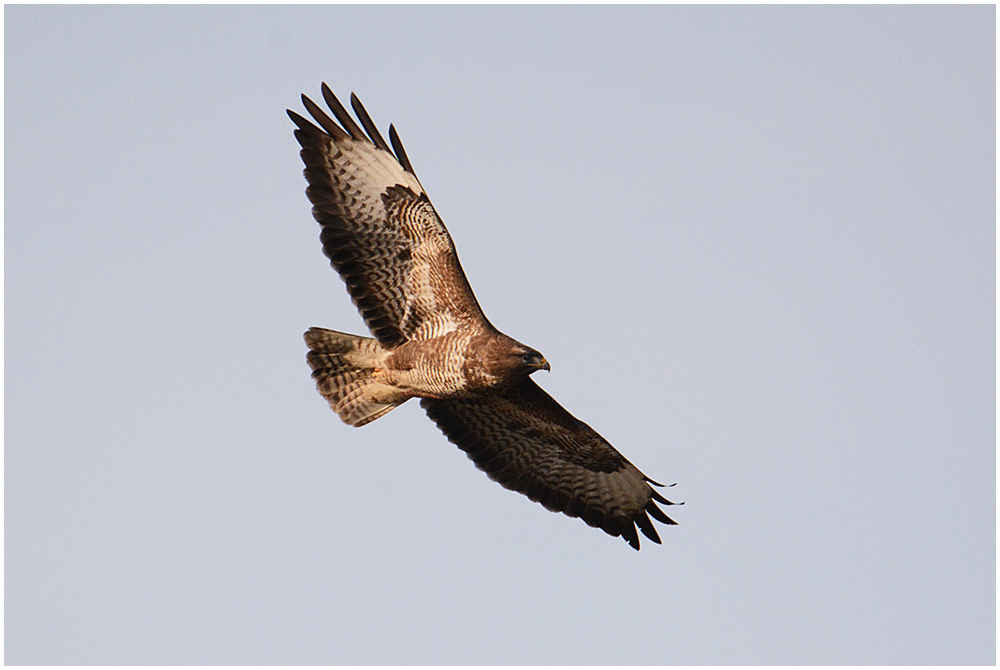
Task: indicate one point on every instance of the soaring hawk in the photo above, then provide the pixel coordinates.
(432, 340)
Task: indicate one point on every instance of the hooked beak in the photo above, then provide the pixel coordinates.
(532, 360)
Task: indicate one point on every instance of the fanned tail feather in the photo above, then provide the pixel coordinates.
(342, 366)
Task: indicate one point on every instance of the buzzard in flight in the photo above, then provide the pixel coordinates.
(433, 342)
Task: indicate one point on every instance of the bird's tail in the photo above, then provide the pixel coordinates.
(342, 366)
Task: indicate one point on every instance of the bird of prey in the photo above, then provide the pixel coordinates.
(431, 340)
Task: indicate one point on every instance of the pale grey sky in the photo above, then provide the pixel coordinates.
(757, 245)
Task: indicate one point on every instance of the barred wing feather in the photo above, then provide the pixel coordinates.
(527, 442)
(379, 229)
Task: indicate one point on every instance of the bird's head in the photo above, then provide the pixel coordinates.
(508, 361)
(526, 360)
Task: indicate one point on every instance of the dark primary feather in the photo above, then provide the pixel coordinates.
(527, 442)
(338, 110)
(366, 122)
(400, 152)
(317, 113)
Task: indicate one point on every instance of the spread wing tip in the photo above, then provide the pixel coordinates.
(660, 499)
(304, 124)
(349, 128)
(629, 535)
(642, 521)
(397, 146)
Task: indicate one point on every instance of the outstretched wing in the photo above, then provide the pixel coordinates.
(379, 229)
(525, 440)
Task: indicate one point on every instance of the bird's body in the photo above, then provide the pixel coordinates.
(432, 341)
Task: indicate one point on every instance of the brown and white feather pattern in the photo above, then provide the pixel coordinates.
(381, 232)
(433, 341)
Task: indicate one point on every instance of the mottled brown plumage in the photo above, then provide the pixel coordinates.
(432, 340)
